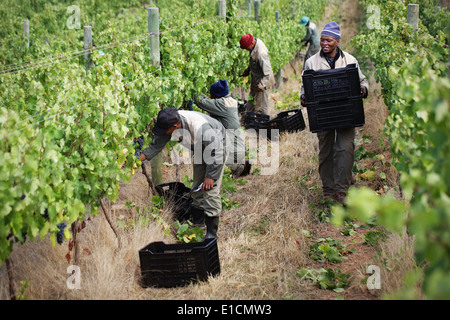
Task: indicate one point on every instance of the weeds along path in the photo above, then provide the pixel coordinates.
(263, 243)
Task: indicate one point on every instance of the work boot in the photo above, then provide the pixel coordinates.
(212, 225)
(247, 168)
(328, 196)
(198, 216)
(238, 171)
(340, 197)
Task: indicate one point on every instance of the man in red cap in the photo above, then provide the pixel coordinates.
(262, 78)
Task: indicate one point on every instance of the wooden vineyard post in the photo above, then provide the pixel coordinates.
(413, 16)
(278, 74)
(153, 29)
(12, 284)
(87, 45)
(74, 229)
(26, 31)
(223, 8)
(277, 19)
(257, 5)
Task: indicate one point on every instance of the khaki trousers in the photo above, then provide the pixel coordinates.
(260, 102)
(210, 200)
(336, 157)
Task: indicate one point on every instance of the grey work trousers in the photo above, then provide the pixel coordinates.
(210, 200)
(336, 157)
(260, 102)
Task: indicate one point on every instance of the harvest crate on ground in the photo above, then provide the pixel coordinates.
(172, 265)
(290, 121)
(254, 120)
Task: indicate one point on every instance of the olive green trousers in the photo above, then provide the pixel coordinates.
(210, 200)
(336, 157)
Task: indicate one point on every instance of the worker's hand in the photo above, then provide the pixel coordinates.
(142, 157)
(303, 100)
(364, 92)
(245, 73)
(261, 87)
(208, 184)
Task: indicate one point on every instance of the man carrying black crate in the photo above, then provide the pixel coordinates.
(205, 136)
(260, 69)
(224, 108)
(336, 147)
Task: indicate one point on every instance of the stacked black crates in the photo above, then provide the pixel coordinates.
(333, 98)
(290, 121)
(254, 120)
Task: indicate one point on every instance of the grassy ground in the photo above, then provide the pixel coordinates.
(262, 244)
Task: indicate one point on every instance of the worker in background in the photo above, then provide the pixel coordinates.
(260, 70)
(224, 108)
(311, 37)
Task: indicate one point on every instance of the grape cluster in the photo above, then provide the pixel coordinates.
(45, 215)
(138, 144)
(60, 234)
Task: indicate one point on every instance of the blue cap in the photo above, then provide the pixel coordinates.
(166, 118)
(332, 29)
(220, 88)
(304, 21)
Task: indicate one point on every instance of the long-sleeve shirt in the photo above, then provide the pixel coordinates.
(312, 36)
(203, 135)
(260, 67)
(225, 110)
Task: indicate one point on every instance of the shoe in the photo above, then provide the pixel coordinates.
(247, 168)
(212, 225)
(328, 196)
(340, 197)
(238, 171)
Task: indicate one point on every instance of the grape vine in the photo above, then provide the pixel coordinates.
(64, 129)
(411, 67)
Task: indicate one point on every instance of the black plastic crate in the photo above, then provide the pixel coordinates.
(335, 115)
(324, 86)
(179, 195)
(255, 120)
(291, 121)
(172, 265)
(242, 106)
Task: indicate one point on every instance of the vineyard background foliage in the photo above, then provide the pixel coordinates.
(411, 67)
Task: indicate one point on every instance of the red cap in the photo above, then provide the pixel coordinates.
(246, 41)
